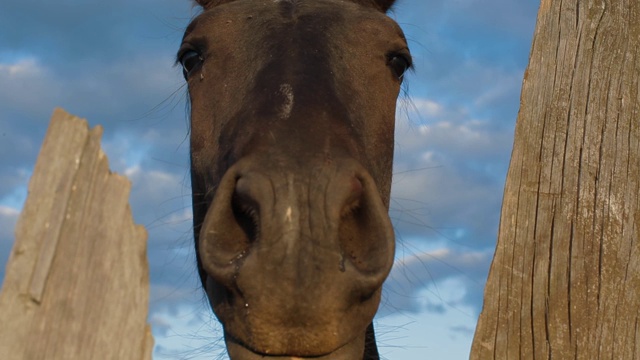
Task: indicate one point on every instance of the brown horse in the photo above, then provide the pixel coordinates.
(292, 122)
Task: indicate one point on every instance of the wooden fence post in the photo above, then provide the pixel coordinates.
(565, 279)
(77, 280)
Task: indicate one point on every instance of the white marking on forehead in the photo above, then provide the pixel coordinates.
(287, 106)
(288, 214)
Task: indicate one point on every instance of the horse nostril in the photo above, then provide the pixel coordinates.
(354, 198)
(365, 234)
(246, 210)
(356, 186)
(230, 226)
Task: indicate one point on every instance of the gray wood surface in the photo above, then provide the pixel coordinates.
(565, 279)
(77, 280)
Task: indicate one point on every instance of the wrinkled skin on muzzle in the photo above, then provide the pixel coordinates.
(293, 108)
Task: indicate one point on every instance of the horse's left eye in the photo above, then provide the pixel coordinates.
(399, 65)
(190, 61)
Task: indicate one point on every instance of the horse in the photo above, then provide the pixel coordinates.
(292, 115)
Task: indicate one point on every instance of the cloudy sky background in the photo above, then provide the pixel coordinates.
(112, 63)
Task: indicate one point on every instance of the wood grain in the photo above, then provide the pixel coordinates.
(77, 280)
(565, 279)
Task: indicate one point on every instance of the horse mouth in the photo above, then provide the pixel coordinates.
(238, 350)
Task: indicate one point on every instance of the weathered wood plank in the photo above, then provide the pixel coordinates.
(77, 280)
(565, 279)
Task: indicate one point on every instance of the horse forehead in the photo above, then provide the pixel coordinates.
(332, 15)
(260, 31)
(290, 44)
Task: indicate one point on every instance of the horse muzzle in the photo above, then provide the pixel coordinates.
(295, 257)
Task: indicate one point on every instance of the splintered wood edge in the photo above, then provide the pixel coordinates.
(40, 222)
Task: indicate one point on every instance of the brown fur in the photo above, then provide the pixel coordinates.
(293, 110)
(382, 5)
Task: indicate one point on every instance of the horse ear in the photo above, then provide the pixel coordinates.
(207, 4)
(384, 5)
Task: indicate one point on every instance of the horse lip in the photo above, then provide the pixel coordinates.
(238, 350)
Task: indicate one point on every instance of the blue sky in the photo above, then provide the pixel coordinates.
(112, 63)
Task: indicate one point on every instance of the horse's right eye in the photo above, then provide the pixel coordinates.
(190, 61)
(400, 64)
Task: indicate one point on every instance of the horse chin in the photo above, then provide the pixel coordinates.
(349, 351)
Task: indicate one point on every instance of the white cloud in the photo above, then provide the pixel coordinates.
(166, 298)
(20, 69)
(8, 219)
(426, 107)
(474, 139)
(27, 84)
(505, 15)
(159, 196)
(437, 281)
(449, 169)
(8, 212)
(189, 332)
